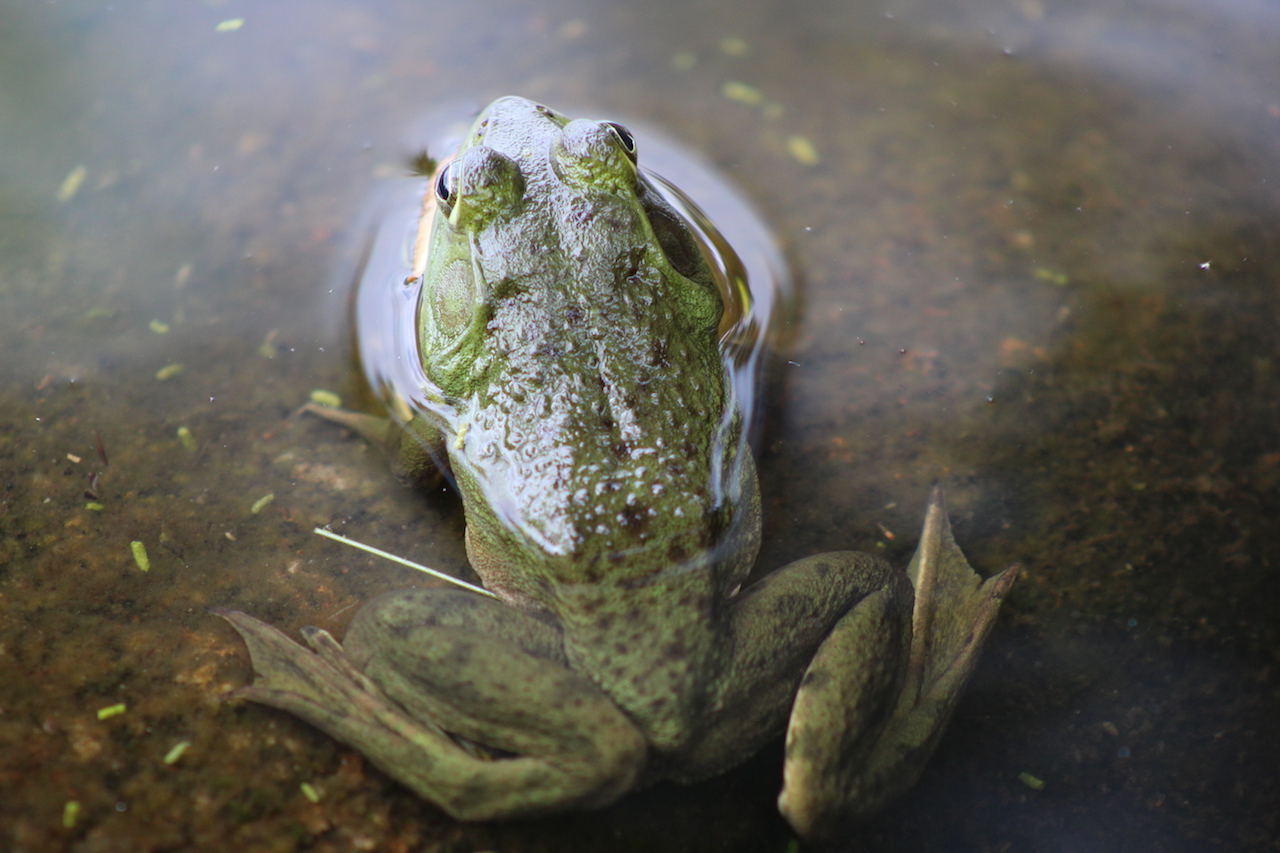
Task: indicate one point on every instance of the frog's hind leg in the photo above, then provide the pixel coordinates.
(826, 784)
(418, 670)
(851, 611)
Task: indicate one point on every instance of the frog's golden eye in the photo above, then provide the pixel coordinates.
(447, 186)
(624, 137)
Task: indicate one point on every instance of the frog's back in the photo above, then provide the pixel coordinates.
(595, 438)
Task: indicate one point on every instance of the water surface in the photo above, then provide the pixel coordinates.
(1037, 245)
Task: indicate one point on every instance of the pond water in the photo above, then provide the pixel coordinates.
(1038, 253)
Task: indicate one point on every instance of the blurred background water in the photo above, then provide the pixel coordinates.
(1039, 259)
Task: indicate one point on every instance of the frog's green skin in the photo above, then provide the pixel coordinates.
(569, 326)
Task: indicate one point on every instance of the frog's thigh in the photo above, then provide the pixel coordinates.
(481, 670)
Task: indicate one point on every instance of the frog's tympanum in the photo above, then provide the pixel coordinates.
(578, 390)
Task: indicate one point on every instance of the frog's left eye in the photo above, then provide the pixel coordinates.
(624, 137)
(447, 185)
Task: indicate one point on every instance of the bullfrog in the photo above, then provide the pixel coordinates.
(577, 387)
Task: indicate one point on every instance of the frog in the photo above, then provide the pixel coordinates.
(577, 389)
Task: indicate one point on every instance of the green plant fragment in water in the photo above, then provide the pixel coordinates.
(802, 150)
(262, 502)
(172, 756)
(322, 397)
(140, 555)
(1052, 276)
(742, 93)
(71, 183)
(111, 711)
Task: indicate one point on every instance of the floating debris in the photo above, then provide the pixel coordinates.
(267, 349)
(229, 26)
(734, 46)
(70, 813)
(159, 327)
(261, 503)
(742, 93)
(803, 151)
(100, 446)
(1052, 276)
(111, 711)
(94, 506)
(435, 573)
(140, 557)
(326, 398)
(71, 183)
(169, 371)
(172, 756)
(187, 439)
(1032, 782)
(309, 792)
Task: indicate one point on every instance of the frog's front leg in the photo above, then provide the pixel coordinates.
(422, 667)
(415, 448)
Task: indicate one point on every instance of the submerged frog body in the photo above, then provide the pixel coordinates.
(578, 390)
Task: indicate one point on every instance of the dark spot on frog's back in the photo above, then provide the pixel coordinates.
(635, 519)
(658, 355)
(676, 553)
(460, 657)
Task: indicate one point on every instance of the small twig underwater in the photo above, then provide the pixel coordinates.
(402, 561)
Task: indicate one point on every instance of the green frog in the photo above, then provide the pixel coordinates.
(577, 386)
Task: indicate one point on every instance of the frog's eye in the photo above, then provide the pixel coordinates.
(624, 137)
(447, 185)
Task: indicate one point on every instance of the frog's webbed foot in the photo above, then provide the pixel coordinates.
(595, 762)
(954, 611)
(324, 688)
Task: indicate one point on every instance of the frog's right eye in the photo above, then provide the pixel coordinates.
(447, 185)
(624, 137)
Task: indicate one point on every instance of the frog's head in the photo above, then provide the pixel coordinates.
(555, 215)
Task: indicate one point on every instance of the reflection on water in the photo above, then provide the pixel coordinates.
(1037, 245)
